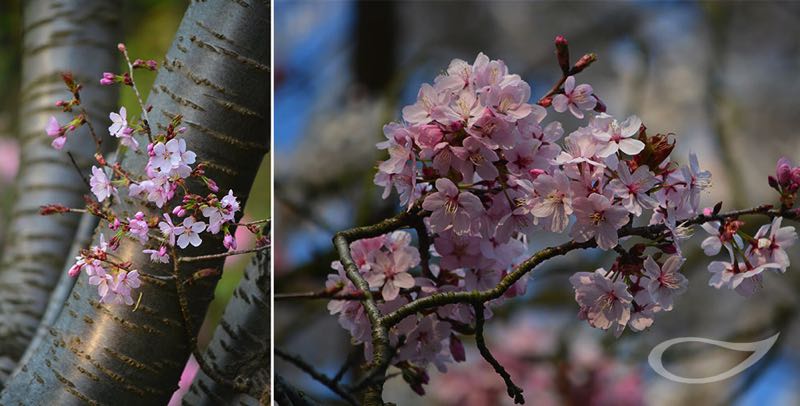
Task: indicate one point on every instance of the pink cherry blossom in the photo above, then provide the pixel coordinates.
(390, 272)
(457, 251)
(189, 232)
(159, 255)
(229, 242)
(555, 200)
(614, 136)
(581, 147)
(596, 217)
(53, 129)
(427, 99)
(125, 282)
(452, 209)
(575, 98)
(138, 227)
(665, 280)
(633, 188)
(100, 184)
(168, 230)
(604, 304)
(770, 243)
(119, 122)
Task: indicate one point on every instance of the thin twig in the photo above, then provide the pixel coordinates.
(318, 376)
(514, 391)
(145, 119)
(78, 168)
(320, 294)
(221, 255)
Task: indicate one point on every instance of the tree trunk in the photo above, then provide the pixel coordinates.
(216, 76)
(240, 347)
(75, 35)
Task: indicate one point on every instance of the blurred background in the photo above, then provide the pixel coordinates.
(723, 78)
(148, 27)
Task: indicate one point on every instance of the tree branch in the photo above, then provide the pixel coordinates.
(318, 376)
(514, 391)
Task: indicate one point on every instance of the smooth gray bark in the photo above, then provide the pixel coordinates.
(215, 75)
(74, 35)
(240, 347)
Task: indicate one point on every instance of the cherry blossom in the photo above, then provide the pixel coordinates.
(100, 184)
(604, 303)
(138, 227)
(575, 98)
(451, 208)
(159, 255)
(390, 271)
(54, 130)
(189, 232)
(119, 122)
(555, 201)
(597, 218)
(770, 243)
(615, 136)
(633, 188)
(665, 280)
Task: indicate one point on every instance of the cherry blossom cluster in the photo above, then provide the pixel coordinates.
(159, 226)
(750, 256)
(485, 167)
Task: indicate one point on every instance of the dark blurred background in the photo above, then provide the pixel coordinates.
(722, 77)
(148, 27)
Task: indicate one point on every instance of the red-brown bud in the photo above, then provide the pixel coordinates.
(562, 53)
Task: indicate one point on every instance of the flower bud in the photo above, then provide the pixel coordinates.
(600, 107)
(74, 270)
(212, 186)
(229, 242)
(49, 209)
(562, 53)
(773, 183)
(583, 63)
(121, 47)
(457, 349)
(783, 171)
(535, 173)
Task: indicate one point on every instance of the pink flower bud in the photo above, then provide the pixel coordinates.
(562, 53)
(229, 242)
(139, 216)
(121, 47)
(74, 270)
(708, 211)
(457, 349)
(535, 173)
(212, 186)
(583, 63)
(115, 225)
(783, 171)
(176, 210)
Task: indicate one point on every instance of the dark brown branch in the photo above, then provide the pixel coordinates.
(318, 376)
(320, 294)
(380, 334)
(514, 391)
